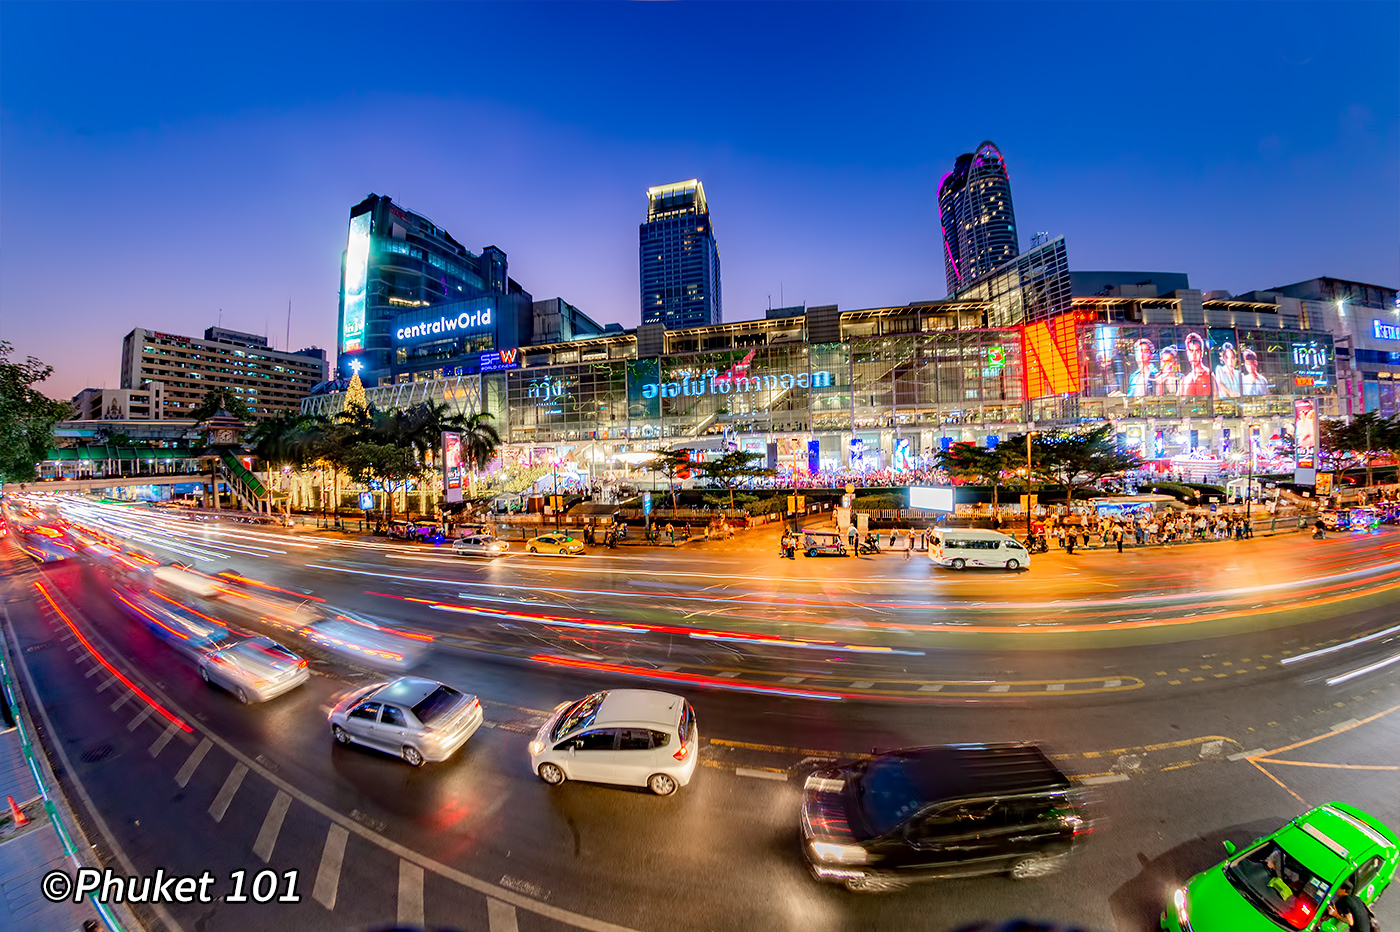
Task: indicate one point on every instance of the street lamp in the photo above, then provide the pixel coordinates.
(558, 499)
(1029, 435)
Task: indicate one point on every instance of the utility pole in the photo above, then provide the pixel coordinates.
(1029, 434)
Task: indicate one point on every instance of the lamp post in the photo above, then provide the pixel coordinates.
(1029, 435)
(1249, 482)
(558, 499)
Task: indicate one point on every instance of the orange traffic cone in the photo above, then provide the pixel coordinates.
(19, 817)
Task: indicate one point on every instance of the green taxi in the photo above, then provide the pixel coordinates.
(1288, 880)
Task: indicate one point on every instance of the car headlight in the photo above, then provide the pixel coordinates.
(1180, 902)
(536, 747)
(839, 854)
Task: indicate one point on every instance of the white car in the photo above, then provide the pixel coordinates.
(479, 545)
(632, 737)
(410, 717)
(254, 669)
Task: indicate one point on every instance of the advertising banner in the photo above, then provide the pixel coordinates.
(452, 466)
(367, 501)
(814, 456)
(857, 453)
(1304, 441)
(903, 461)
(931, 498)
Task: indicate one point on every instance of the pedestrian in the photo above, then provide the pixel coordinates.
(1118, 538)
(1069, 542)
(910, 550)
(891, 538)
(671, 532)
(1350, 909)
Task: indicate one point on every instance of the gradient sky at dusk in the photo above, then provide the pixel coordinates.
(160, 162)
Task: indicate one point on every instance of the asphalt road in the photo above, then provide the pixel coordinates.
(1167, 680)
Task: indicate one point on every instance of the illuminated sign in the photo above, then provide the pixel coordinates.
(1305, 434)
(1384, 331)
(352, 336)
(445, 326)
(1051, 356)
(500, 360)
(996, 356)
(712, 383)
(452, 466)
(931, 498)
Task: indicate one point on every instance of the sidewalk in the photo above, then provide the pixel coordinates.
(29, 852)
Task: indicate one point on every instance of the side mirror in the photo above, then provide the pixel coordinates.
(1229, 846)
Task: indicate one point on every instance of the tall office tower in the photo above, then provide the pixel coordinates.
(979, 225)
(679, 260)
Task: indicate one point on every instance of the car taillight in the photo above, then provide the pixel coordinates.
(681, 753)
(302, 663)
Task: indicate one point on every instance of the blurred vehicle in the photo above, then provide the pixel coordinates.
(416, 719)
(426, 531)
(559, 544)
(632, 737)
(1289, 879)
(172, 620)
(1363, 519)
(254, 669)
(951, 811)
(46, 543)
(479, 545)
(823, 543)
(1334, 520)
(352, 637)
(959, 548)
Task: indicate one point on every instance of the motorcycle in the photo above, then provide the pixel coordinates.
(1036, 543)
(866, 547)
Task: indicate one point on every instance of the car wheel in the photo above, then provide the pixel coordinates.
(811, 553)
(340, 734)
(1038, 866)
(242, 696)
(531, 549)
(662, 784)
(1013, 564)
(551, 774)
(412, 757)
(959, 564)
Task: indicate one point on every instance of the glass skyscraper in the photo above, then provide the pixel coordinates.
(974, 208)
(678, 258)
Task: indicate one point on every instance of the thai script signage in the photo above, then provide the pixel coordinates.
(711, 383)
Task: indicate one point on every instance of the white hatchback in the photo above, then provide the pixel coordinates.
(632, 737)
(479, 545)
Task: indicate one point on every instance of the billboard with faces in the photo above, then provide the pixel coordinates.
(1145, 362)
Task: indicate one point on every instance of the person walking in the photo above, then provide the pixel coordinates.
(908, 551)
(671, 532)
(1118, 538)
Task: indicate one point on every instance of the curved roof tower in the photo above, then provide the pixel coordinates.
(974, 209)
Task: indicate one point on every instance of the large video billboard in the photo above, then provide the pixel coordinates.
(352, 336)
(452, 466)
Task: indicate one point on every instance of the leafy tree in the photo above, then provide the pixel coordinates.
(480, 441)
(673, 464)
(388, 463)
(1079, 459)
(1348, 444)
(221, 397)
(282, 440)
(27, 416)
(732, 469)
(971, 463)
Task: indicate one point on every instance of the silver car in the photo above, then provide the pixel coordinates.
(479, 545)
(411, 717)
(254, 669)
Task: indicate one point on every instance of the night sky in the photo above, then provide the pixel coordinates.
(161, 162)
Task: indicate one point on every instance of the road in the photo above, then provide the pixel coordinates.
(1204, 692)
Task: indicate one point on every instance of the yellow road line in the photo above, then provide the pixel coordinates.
(1276, 780)
(1335, 731)
(1304, 763)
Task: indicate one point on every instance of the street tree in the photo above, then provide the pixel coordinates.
(221, 397)
(1079, 459)
(732, 469)
(674, 465)
(971, 463)
(390, 464)
(27, 416)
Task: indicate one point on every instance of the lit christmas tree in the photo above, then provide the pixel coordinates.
(355, 394)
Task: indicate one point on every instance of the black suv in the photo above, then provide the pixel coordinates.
(951, 811)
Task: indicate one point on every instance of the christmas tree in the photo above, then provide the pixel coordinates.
(355, 394)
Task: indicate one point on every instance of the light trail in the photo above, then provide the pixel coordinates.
(1342, 646)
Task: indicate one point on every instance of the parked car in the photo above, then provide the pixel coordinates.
(631, 737)
(951, 811)
(823, 543)
(416, 719)
(960, 548)
(254, 669)
(479, 545)
(1289, 879)
(560, 544)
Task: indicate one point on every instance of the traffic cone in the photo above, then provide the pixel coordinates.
(19, 817)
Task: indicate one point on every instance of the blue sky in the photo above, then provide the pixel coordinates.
(161, 162)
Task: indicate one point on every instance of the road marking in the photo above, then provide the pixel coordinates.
(1304, 763)
(1111, 684)
(862, 684)
(410, 894)
(999, 689)
(1241, 755)
(792, 679)
(1054, 687)
(159, 744)
(272, 825)
(500, 917)
(141, 717)
(760, 774)
(183, 777)
(328, 874)
(1349, 723)
(724, 675)
(231, 784)
(126, 697)
(1105, 778)
(936, 687)
(107, 682)
(95, 668)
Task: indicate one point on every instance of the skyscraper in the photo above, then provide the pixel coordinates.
(974, 208)
(678, 258)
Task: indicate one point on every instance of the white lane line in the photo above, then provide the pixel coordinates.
(159, 744)
(125, 698)
(410, 894)
(107, 682)
(1106, 778)
(1342, 646)
(1370, 668)
(140, 717)
(760, 774)
(272, 826)
(1110, 684)
(1055, 687)
(936, 687)
(727, 674)
(500, 917)
(792, 679)
(1241, 755)
(1001, 688)
(1349, 723)
(231, 784)
(328, 874)
(95, 668)
(183, 777)
(73, 646)
(862, 684)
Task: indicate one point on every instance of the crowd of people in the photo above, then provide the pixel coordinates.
(1068, 532)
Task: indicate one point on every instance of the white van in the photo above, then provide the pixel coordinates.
(960, 548)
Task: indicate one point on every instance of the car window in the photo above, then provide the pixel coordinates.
(687, 723)
(599, 739)
(1366, 873)
(367, 711)
(580, 715)
(393, 715)
(1278, 885)
(637, 739)
(436, 704)
(659, 739)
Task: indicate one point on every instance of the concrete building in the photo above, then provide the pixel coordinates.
(678, 259)
(976, 217)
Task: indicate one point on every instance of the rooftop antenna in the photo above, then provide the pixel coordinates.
(288, 345)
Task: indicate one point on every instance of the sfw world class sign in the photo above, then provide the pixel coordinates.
(499, 360)
(445, 326)
(711, 383)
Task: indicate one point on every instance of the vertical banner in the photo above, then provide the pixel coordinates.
(857, 453)
(814, 456)
(1304, 442)
(902, 459)
(451, 466)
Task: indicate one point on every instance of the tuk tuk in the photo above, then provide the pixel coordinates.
(823, 543)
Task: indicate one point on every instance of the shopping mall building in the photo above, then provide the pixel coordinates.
(1185, 378)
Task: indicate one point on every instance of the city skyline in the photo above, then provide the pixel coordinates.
(132, 200)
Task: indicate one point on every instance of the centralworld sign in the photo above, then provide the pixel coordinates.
(445, 326)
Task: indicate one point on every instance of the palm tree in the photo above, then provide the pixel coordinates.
(280, 440)
(480, 441)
